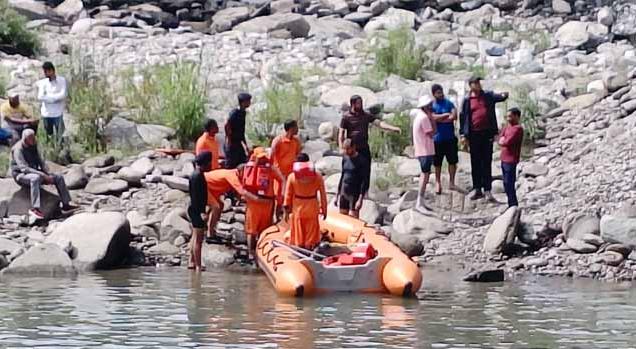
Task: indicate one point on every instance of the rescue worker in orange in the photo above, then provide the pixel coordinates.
(218, 183)
(207, 142)
(285, 149)
(304, 185)
(259, 214)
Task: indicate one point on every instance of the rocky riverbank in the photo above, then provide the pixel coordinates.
(572, 59)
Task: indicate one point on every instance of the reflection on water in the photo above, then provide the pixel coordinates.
(145, 308)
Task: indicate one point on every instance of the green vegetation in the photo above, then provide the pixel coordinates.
(399, 55)
(171, 95)
(4, 80)
(385, 145)
(90, 100)
(521, 98)
(5, 160)
(14, 36)
(540, 39)
(282, 101)
(388, 178)
(490, 32)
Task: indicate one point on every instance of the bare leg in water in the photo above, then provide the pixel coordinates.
(195, 249)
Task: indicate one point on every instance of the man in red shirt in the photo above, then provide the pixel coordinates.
(478, 127)
(510, 140)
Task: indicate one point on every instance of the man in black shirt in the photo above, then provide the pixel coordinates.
(353, 182)
(198, 203)
(236, 150)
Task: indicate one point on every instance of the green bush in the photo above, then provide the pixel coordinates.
(90, 100)
(3, 82)
(282, 102)
(385, 145)
(388, 178)
(169, 94)
(371, 79)
(14, 36)
(400, 55)
(5, 161)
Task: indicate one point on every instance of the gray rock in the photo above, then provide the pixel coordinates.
(84, 25)
(174, 225)
(561, 7)
(294, 24)
(227, 18)
(331, 183)
(327, 131)
(593, 239)
(409, 244)
(70, 10)
(360, 18)
(535, 262)
(392, 18)
(130, 175)
(102, 239)
(214, 256)
(605, 16)
(582, 101)
(582, 226)
(378, 7)
(336, 27)
(411, 222)
(16, 200)
(75, 178)
(143, 165)
(341, 94)
(42, 260)
(31, 9)
(502, 231)
(620, 230)
(317, 146)
(123, 133)
(619, 248)
(572, 34)
(581, 246)
(100, 161)
(610, 258)
(175, 182)
(496, 275)
(625, 17)
(371, 212)
(4, 262)
(154, 135)
(629, 106)
(102, 186)
(534, 170)
(8, 247)
(165, 248)
(329, 165)
(408, 168)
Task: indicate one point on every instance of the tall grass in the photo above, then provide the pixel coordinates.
(398, 54)
(4, 81)
(282, 102)
(169, 94)
(14, 35)
(385, 145)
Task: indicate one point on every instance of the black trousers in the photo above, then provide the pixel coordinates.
(481, 159)
(509, 172)
(366, 154)
(234, 155)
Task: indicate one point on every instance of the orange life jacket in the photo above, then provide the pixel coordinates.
(304, 170)
(256, 178)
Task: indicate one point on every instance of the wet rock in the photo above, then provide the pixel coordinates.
(100, 161)
(174, 225)
(580, 246)
(409, 244)
(75, 178)
(620, 230)
(101, 239)
(102, 186)
(502, 231)
(609, 258)
(165, 248)
(175, 182)
(496, 275)
(329, 165)
(42, 260)
(214, 256)
(16, 200)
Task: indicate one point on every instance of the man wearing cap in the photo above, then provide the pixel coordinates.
(424, 129)
(28, 169)
(478, 127)
(52, 92)
(355, 126)
(17, 117)
(236, 150)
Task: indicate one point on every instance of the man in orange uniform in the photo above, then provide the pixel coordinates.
(301, 199)
(218, 183)
(285, 149)
(207, 142)
(259, 215)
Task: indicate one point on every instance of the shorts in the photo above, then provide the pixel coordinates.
(195, 218)
(425, 163)
(348, 202)
(448, 150)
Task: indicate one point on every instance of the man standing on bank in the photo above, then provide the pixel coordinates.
(52, 92)
(355, 126)
(236, 150)
(478, 127)
(445, 115)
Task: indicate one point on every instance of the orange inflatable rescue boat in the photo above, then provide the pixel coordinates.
(374, 263)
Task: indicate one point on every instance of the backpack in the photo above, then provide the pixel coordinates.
(256, 179)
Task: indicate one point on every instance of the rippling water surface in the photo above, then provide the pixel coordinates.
(149, 308)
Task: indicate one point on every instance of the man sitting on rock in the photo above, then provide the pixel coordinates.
(28, 169)
(17, 117)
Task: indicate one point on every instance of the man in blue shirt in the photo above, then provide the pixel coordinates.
(445, 114)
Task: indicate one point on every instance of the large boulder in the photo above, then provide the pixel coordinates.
(42, 260)
(227, 18)
(175, 182)
(70, 10)
(333, 27)
(143, 165)
(619, 229)
(409, 244)
(103, 186)
(132, 176)
(100, 161)
(102, 239)
(581, 226)
(393, 18)
(16, 200)
(581, 246)
(411, 222)
(175, 224)
(294, 24)
(123, 133)
(154, 135)
(502, 231)
(572, 34)
(31, 9)
(8, 247)
(76, 178)
(214, 256)
(336, 97)
(625, 17)
(329, 165)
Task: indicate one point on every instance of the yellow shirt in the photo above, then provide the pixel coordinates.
(22, 112)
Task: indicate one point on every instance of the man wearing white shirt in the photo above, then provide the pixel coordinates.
(52, 92)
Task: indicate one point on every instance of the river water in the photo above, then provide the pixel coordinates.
(151, 308)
